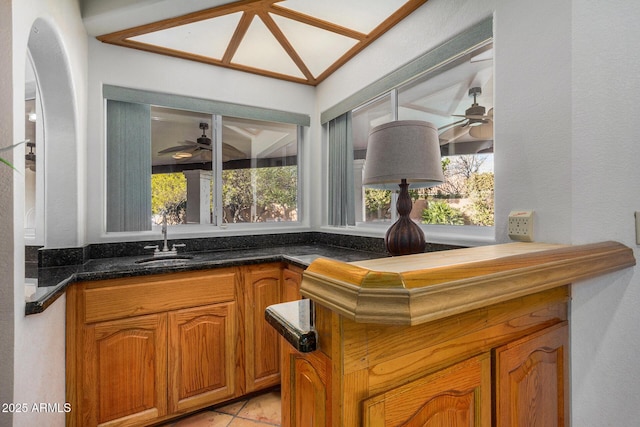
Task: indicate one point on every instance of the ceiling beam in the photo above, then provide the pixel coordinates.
(319, 23)
(238, 35)
(284, 42)
(264, 9)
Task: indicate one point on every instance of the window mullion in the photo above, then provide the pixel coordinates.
(217, 168)
(394, 194)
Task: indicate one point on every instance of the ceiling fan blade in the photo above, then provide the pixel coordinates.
(203, 155)
(176, 149)
(451, 135)
(229, 152)
(475, 116)
(484, 131)
(468, 147)
(451, 124)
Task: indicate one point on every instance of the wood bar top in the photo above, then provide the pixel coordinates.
(414, 289)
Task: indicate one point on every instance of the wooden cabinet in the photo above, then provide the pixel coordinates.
(532, 380)
(144, 349)
(309, 390)
(410, 339)
(201, 356)
(458, 396)
(291, 279)
(124, 375)
(437, 373)
(262, 344)
(530, 385)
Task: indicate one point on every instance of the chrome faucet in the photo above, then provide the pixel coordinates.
(165, 247)
(165, 252)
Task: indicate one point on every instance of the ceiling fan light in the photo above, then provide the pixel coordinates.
(182, 155)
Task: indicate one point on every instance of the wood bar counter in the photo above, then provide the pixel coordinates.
(474, 336)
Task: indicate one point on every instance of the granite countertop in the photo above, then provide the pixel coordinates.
(52, 281)
(294, 321)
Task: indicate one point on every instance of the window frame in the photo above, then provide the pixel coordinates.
(433, 62)
(218, 110)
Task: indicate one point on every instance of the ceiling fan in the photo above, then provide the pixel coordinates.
(202, 147)
(476, 122)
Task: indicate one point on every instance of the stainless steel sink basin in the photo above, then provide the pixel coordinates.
(171, 260)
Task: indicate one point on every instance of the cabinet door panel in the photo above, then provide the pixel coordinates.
(532, 381)
(125, 370)
(201, 356)
(454, 397)
(262, 345)
(291, 279)
(307, 392)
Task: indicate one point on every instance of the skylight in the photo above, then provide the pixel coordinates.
(295, 40)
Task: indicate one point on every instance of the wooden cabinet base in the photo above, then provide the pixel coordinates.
(144, 349)
(437, 373)
(306, 400)
(125, 371)
(201, 356)
(532, 378)
(458, 396)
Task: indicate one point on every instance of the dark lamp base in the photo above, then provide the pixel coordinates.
(405, 237)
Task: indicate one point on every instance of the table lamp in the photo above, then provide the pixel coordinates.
(403, 153)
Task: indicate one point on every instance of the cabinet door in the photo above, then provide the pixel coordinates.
(306, 389)
(262, 343)
(201, 358)
(125, 371)
(291, 279)
(532, 380)
(453, 397)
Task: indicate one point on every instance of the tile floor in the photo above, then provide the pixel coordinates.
(262, 410)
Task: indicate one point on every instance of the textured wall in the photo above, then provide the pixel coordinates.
(605, 194)
(6, 215)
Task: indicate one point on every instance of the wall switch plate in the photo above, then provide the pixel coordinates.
(521, 226)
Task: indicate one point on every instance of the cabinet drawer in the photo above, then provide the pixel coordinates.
(127, 297)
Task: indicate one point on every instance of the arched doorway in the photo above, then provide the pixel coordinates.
(60, 134)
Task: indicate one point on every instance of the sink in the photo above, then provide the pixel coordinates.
(170, 260)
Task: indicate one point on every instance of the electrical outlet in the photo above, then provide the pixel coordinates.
(521, 226)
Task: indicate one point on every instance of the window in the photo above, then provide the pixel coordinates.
(455, 92)
(259, 171)
(182, 180)
(372, 205)
(197, 167)
(459, 101)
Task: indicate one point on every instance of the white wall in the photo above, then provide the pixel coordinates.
(606, 192)
(566, 136)
(7, 320)
(38, 344)
(119, 66)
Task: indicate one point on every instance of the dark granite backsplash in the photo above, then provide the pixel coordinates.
(75, 256)
(60, 257)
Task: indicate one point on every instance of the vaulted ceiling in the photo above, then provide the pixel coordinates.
(301, 41)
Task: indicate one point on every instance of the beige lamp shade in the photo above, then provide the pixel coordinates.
(404, 149)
